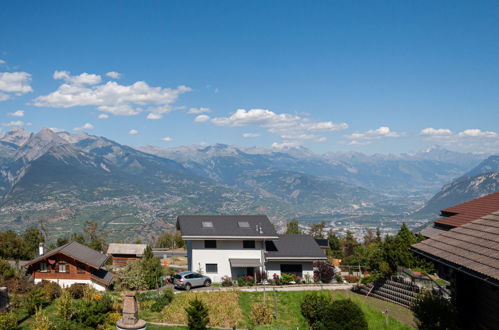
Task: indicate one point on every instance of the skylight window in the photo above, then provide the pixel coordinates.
(243, 224)
(207, 224)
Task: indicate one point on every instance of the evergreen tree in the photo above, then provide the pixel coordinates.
(197, 315)
(32, 238)
(369, 237)
(334, 245)
(293, 227)
(151, 267)
(350, 244)
(379, 239)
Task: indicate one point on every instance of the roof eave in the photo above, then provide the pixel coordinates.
(462, 269)
(295, 258)
(197, 237)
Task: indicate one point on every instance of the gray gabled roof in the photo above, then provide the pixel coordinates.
(78, 251)
(103, 276)
(297, 246)
(225, 226)
(119, 248)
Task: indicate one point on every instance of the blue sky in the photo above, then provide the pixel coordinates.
(384, 76)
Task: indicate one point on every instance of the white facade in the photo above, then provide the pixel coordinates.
(274, 267)
(64, 283)
(199, 256)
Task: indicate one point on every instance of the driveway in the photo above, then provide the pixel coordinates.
(312, 287)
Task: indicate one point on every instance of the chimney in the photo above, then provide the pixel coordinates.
(41, 249)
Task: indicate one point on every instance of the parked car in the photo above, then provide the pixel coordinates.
(188, 280)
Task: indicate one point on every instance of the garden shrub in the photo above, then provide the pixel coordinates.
(50, 290)
(8, 321)
(245, 281)
(324, 272)
(41, 321)
(338, 278)
(307, 279)
(164, 299)
(64, 306)
(227, 281)
(373, 277)
(434, 312)
(313, 306)
(197, 315)
(288, 278)
(342, 314)
(6, 271)
(351, 278)
(93, 312)
(261, 313)
(35, 299)
(77, 290)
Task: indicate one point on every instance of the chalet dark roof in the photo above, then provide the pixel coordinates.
(472, 248)
(294, 246)
(102, 275)
(461, 214)
(78, 251)
(198, 226)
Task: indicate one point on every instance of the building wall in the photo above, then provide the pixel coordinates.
(274, 267)
(120, 260)
(71, 265)
(64, 283)
(225, 250)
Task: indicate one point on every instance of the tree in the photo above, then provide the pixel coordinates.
(379, 239)
(433, 312)
(95, 236)
(350, 244)
(334, 245)
(32, 238)
(197, 315)
(324, 272)
(369, 237)
(293, 227)
(152, 269)
(41, 320)
(317, 230)
(170, 240)
(64, 306)
(132, 277)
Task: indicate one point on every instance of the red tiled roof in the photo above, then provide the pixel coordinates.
(473, 246)
(469, 211)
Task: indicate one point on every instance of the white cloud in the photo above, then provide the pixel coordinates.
(154, 116)
(474, 132)
(472, 139)
(85, 127)
(111, 97)
(287, 126)
(82, 79)
(103, 116)
(285, 145)
(251, 135)
(18, 113)
(2, 62)
(197, 111)
(17, 123)
(362, 138)
(14, 83)
(167, 139)
(133, 132)
(201, 118)
(435, 131)
(113, 75)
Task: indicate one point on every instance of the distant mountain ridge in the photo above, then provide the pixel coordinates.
(480, 181)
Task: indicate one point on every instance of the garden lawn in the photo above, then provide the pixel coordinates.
(233, 308)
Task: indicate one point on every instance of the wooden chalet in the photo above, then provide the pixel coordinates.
(71, 263)
(467, 254)
(124, 253)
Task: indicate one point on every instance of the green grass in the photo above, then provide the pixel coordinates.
(290, 316)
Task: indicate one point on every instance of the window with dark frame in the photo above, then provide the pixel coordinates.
(210, 244)
(211, 268)
(43, 267)
(248, 244)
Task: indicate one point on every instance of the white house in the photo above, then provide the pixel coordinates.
(240, 245)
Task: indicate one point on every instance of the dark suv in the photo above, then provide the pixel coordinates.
(188, 280)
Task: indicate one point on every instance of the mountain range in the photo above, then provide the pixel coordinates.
(60, 180)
